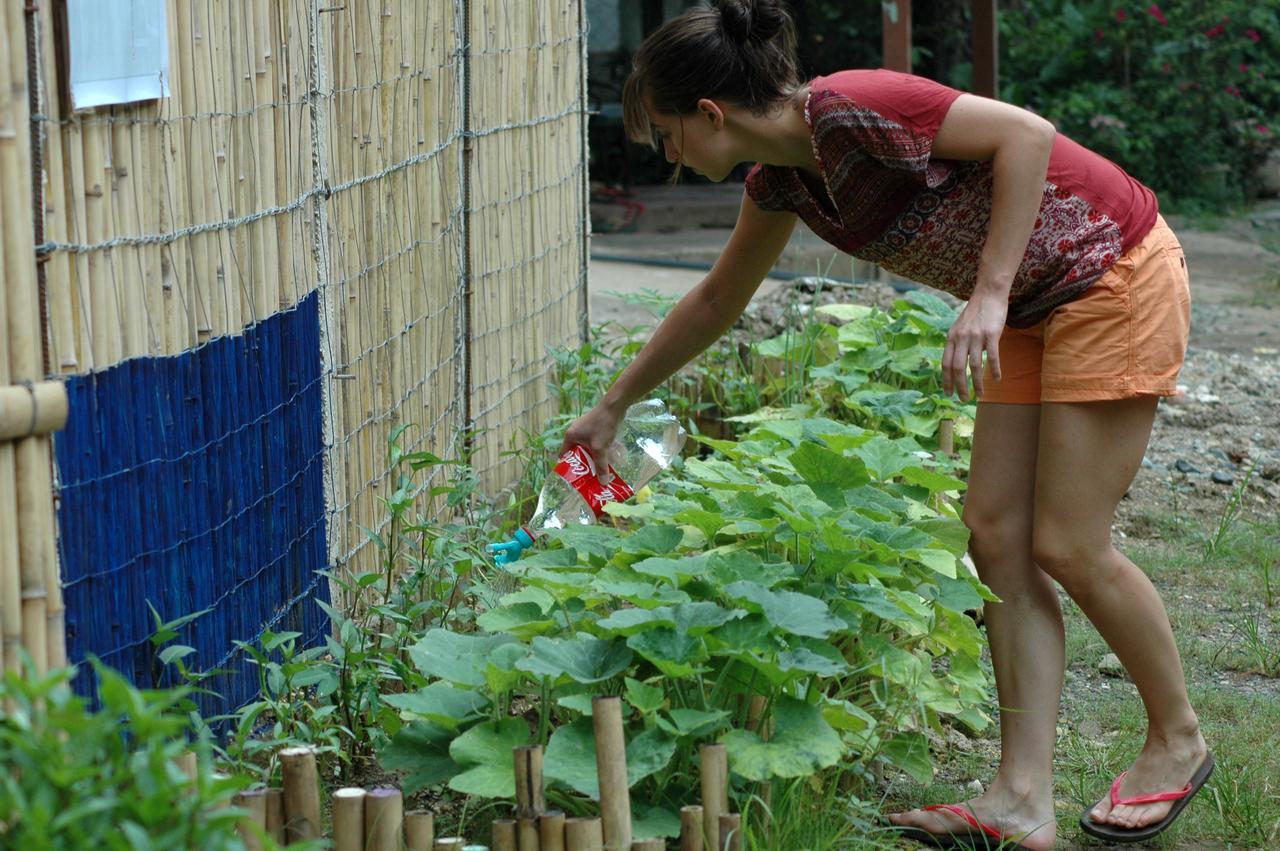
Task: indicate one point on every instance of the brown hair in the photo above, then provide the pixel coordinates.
(742, 51)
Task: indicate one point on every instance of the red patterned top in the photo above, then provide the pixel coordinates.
(926, 219)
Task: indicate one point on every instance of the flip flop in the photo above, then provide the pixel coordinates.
(1181, 797)
(979, 836)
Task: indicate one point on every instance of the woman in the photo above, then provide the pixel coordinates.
(1076, 295)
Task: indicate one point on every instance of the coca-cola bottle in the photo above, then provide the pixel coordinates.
(649, 438)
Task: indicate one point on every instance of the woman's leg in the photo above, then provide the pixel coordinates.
(1088, 456)
(1024, 630)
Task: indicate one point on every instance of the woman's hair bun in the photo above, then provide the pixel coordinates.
(751, 20)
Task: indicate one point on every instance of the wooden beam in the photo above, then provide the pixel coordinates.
(896, 39)
(986, 49)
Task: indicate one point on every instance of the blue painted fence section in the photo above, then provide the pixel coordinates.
(193, 482)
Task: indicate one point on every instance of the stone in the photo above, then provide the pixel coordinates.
(1110, 666)
(1182, 465)
(1268, 175)
(1222, 478)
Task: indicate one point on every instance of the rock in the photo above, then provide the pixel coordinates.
(1222, 478)
(1268, 176)
(1220, 455)
(1110, 666)
(974, 787)
(1182, 465)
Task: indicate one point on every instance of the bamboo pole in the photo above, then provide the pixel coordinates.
(63, 336)
(551, 831)
(346, 812)
(253, 827)
(275, 815)
(530, 796)
(301, 794)
(611, 766)
(450, 843)
(527, 834)
(714, 776)
(648, 845)
(187, 763)
(419, 830)
(505, 837)
(947, 437)
(730, 832)
(384, 819)
(691, 830)
(35, 410)
(583, 834)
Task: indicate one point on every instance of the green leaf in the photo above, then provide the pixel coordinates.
(645, 699)
(593, 540)
(583, 658)
(828, 473)
(523, 620)
(571, 756)
(935, 482)
(940, 561)
(654, 823)
(485, 752)
(909, 752)
(802, 743)
(500, 672)
(675, 654)
(692, 618)
(458, 658)
(421, 751)
(440, 704)
(884, 458)
(798, 614)
(692, 722)
(673, 569)
(654, 538)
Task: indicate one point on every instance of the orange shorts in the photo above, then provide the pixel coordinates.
(1125, 336)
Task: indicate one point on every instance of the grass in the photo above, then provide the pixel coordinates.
(1222, 605)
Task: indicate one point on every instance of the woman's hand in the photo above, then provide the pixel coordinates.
(596, 430)
(976, 330)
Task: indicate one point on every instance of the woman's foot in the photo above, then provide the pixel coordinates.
(1161, 767)
(1018, 819)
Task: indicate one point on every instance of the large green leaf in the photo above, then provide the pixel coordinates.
(571, 756)
(884, 458)
(909, 752)
(653, 538)
(522, 620)
(692, 722)
(484, 752)
(798, 614)
(692, 618)
(671, 568)
(458, 658)
(829, 473)
(674, 653)
(582, 658)
(802, 743)
(420, 751)
(440, 704)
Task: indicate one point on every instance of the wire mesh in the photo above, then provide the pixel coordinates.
(313, 164)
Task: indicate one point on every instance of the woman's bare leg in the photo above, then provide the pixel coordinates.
(1024, 631)
(1089, 454)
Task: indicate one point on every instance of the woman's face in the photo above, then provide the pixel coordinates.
(698, 140)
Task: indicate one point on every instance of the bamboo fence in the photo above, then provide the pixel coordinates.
(416, 169)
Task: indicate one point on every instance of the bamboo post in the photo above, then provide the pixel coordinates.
(346, 811)
(186, 763)
(691, 829)
(254, 825)
(730, 832)
(583, 834)
(947, 437)
(301, 794)
(37, 409)
(449, 843)
(551, 831)
(530, 796)
(275, 815)
(715, 791)
(504, 835)
(384, 819)
(648, 845)
(611, 766)
(419, 830)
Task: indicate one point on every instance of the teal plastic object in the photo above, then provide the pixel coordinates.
(509, 552)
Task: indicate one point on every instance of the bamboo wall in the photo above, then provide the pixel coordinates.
(421, 191)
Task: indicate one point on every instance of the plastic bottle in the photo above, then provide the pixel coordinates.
(649, 438)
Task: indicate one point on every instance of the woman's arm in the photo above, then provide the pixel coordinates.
(1018, 144)
(697, 321)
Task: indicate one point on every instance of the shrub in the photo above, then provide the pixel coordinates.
(1182, 93)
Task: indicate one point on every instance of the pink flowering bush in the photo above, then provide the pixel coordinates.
(1184, 94)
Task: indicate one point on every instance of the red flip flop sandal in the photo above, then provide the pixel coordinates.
(1181, 797)
(979, 837)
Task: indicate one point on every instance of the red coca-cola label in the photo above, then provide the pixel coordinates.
(577, 468)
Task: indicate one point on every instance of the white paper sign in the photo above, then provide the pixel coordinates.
(119, 51)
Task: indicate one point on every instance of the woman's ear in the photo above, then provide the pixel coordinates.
(712, 112)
